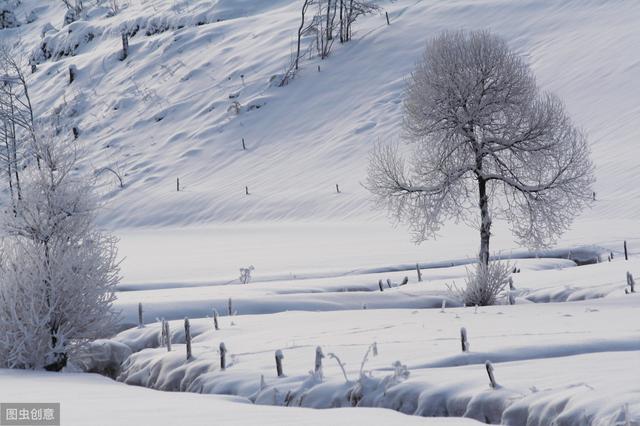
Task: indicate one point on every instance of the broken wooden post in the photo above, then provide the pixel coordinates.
(163, 336)
(187, 337)
(405, 281)
(419, 273)
(388, 282)
(246, 190)
(215, 320)
(167, 334)
(140, 316)
(380, 285)
(463, 339)
(318, 363)
(223, 356)
(73, 71)
(492, 379)
(631, 282)
(125, 46)
(337, 188)
(279, 357)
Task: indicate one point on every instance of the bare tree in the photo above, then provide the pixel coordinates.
(16, 118)
(483, 136)
(323, 24)
(301, 29)
(353, 9)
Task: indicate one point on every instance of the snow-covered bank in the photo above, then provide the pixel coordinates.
(92, 399)
(543, 367)
(540, 280)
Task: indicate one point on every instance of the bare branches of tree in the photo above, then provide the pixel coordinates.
(16, 118)
(483, 136)
(332, 16)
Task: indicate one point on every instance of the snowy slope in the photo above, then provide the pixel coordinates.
(163, 113)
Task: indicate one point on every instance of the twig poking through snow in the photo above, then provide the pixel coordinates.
(373, 348)
(344, 372)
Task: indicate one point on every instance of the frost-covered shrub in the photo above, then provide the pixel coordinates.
(245, 274)
(58, 273)
(484, 284)
(8, 13)
(7, 18)
(66, 42)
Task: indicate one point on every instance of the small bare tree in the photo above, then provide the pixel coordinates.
(350, 11)
(332, 16)
(484, 136)
(16, 118)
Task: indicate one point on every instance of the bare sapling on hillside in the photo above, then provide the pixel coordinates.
(483, 138)
(332, 18)
(16, 119)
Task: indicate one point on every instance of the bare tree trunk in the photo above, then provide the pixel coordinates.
(341, 21)
(329, 29)
(485, 222)
(349, 20)
(300, 29)
(9, 169)
(14, 149)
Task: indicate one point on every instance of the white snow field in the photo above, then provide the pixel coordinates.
(566, 353)
(89, 399)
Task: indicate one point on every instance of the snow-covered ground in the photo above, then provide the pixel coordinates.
(567, 352)
(568, 363)
(89, 399)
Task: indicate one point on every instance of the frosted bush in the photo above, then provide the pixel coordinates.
(484, 284)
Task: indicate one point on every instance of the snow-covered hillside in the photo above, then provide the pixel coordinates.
(164, 112)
